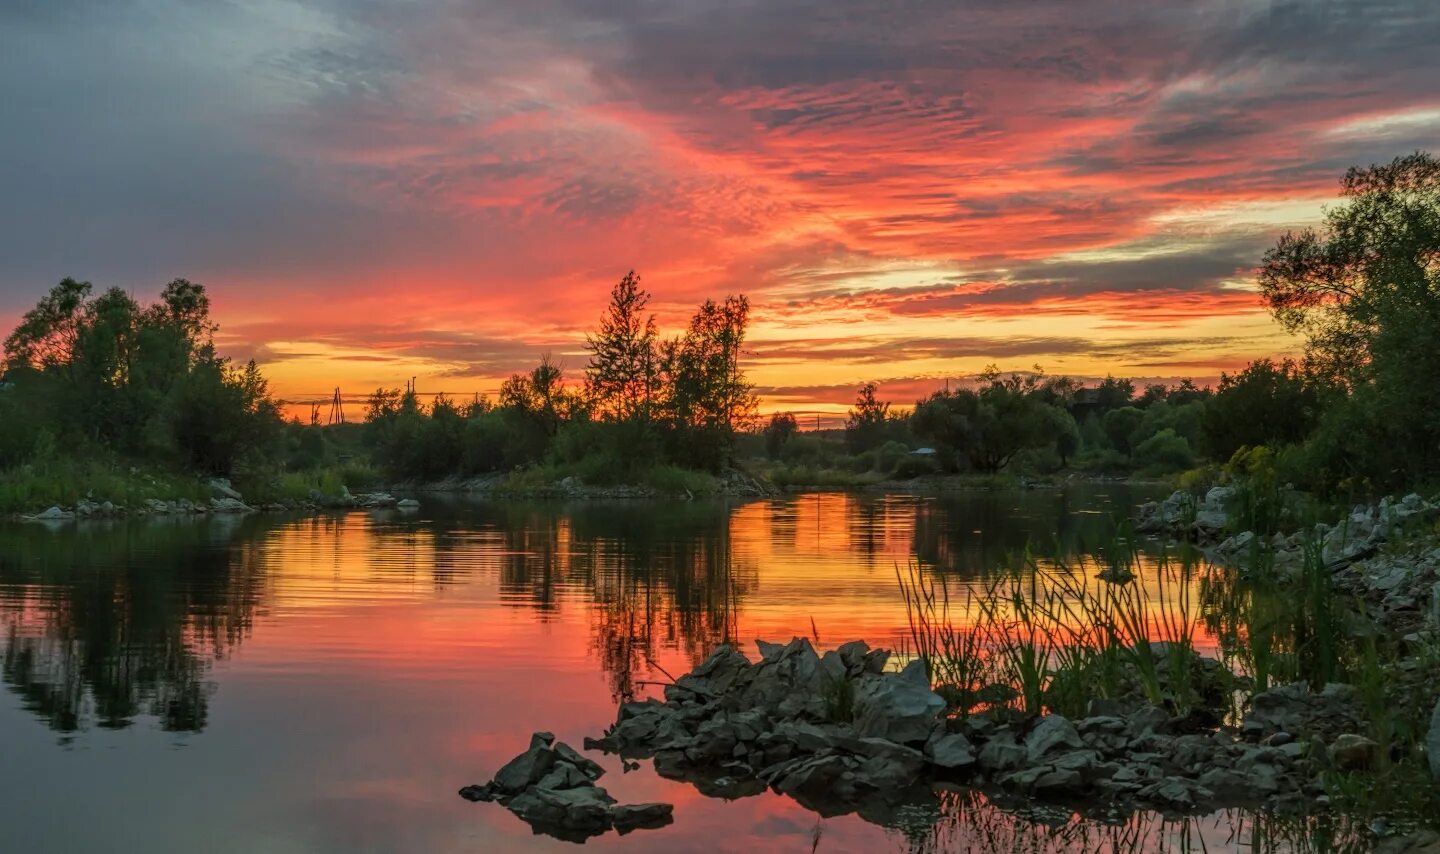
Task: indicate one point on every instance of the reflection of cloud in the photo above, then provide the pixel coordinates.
(475, 177)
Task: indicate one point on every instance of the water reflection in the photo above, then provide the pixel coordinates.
(107, 622)
(346, 673)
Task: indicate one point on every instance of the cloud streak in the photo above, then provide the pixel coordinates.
(908, 189)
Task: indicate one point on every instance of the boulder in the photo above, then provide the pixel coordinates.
(51, 514)
(897, 706)
(407, 504)
(529, 767)
(222, 489)
(998, 754)
(584, 809)
(1051, 733)
(952, 751)
(1351, 752)
(229, 505)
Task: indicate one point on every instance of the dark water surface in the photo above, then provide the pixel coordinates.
(327, 684)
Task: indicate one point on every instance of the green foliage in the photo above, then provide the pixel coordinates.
(1266, 403)
(1365, 291)
(144, 381)
(1121, 426)
(1164, 453)
(988, 426)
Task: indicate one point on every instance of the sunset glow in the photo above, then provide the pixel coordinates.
(373, 195)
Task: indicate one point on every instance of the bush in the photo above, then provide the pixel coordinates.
(912, 466)
(1165, 452)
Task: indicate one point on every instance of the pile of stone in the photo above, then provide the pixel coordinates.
(1185, 516)
(552, 788)
(843, 733)
(1356, 537)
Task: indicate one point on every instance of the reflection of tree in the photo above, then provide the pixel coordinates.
(659, 576)
(973, 533)
(104, 623)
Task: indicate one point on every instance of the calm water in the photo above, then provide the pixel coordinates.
(327, 684)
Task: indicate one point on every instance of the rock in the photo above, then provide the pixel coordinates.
(585, 809)
(897, 706)
(1051, 733)
(229, 505)
(952, 751)
(630, 817)
(999, 754)
(52, 514)
(1351, 752)
(529, 767)
(1432, 742)
(222, 489)
(1171, 791)
(588, 767)
(407, 504)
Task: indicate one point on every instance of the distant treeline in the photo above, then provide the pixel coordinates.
(1360, 412)
(104, 377)
(642, 401)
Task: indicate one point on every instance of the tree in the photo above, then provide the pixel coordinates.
(989, 426)
(706, 395)
(781, 429)
(1364, 289)
(143, 380)
(1267, 403)
(865, 428)
(1120, 427)
(621, 377)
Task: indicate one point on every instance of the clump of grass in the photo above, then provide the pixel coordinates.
(1059, 638)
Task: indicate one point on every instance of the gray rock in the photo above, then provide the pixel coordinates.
(581, 809)
(628, 817)
(407, 504)
(952, 751)
(51, 514)
(999, 754)
(229, 505)
(1051, 733)
(563, 775)
(588, 767)
(222, 489)
(528, 768)
(1351, 752)
(896, 706)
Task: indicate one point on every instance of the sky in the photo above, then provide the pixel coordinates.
(907, 191)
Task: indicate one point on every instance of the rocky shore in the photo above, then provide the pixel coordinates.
(845, 732)
(225, 501)
(733, 483)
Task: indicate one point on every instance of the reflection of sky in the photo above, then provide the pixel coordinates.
(378, 190)
(389, 662)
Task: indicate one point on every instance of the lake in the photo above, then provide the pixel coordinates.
(327, 683)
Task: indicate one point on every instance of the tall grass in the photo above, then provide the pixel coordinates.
(1057, 636)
